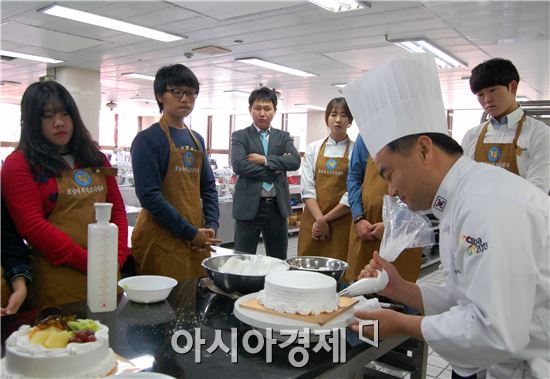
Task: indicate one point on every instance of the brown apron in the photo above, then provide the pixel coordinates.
(158, 251)
(360, 252)
(78, 190)
(330, 186)
(499, 154)
(6, 291)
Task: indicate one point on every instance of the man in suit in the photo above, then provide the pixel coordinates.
(261, 156)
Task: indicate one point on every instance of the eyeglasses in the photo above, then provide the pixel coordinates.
(179, 93)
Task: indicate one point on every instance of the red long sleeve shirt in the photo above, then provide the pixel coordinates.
(30, 200)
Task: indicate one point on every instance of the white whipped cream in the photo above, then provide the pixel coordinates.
(256, 265)
(299, 292)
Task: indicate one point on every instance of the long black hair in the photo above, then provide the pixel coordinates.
(41, 154)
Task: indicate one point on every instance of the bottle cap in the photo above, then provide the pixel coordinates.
(103, 212)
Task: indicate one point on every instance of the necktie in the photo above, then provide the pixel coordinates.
(263, 134)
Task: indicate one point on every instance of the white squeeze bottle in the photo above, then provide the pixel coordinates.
(102, 260)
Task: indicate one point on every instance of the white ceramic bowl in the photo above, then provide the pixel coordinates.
(147, 288)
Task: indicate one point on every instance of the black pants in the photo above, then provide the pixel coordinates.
(271, 224)
(454, 375)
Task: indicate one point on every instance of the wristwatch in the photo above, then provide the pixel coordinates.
(358, 218)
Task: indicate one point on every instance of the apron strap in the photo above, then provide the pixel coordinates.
(518, 131)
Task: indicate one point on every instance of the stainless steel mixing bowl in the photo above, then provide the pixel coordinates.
(328, 266)
(243, 284)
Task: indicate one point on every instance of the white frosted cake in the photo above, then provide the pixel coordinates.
(299, 292)
(36, 352)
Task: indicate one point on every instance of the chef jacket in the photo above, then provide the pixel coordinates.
(333, 149)
(534, 142)
(493, 310)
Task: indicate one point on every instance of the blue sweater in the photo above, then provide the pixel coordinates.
(150, 157)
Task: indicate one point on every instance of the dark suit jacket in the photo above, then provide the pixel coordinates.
(246, 198)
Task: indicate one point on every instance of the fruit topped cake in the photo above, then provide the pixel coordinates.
(59, 347)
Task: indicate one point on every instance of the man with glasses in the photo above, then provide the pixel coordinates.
(175, 185)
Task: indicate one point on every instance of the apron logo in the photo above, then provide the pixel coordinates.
(331, 164)
(494, 154)
(188, 159)
(473, 245)
(440, 203)
(82, 178)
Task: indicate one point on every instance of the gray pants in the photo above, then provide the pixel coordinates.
(271, 224)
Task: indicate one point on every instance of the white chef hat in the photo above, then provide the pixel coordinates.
(399, 98)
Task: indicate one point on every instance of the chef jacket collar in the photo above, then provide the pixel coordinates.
(448, 187)
(511, 119)
(331, 141)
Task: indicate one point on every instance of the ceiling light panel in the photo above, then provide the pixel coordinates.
(337, 6)
(135, 75)
(109, 23)
(274, 66)
(422, 45)
(30, 57)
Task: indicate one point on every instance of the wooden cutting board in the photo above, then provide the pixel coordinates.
(322, 318)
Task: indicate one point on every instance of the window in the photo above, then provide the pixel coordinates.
(277, 121)
(199, 123)
(220, 132)
(242, 121)
(107, 128)
(127, 128)
(222, 160)
(11, 119)
(297, 127)
(464, 120)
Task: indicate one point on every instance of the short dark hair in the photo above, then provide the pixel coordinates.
(263, 94)
(494, 72)
(338, 103)
(42, 155)
(176, 75)
(443, 141)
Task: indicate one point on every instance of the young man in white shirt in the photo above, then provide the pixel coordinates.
(509, 139)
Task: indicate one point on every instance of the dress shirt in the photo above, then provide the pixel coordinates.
(272, 192)
(534, 161)
(333, 149)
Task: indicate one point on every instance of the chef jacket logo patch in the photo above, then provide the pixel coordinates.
(331, 164)
(188, 159)
(494, 154)
(440, 203)
(473, 245)
(82, 178)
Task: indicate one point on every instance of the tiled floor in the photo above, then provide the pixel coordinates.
(437, 366)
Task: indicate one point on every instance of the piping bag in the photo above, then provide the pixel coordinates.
(403, 229)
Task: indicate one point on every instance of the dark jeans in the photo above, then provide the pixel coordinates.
(271, 224)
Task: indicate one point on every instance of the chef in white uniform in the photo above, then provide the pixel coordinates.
(493, 310)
